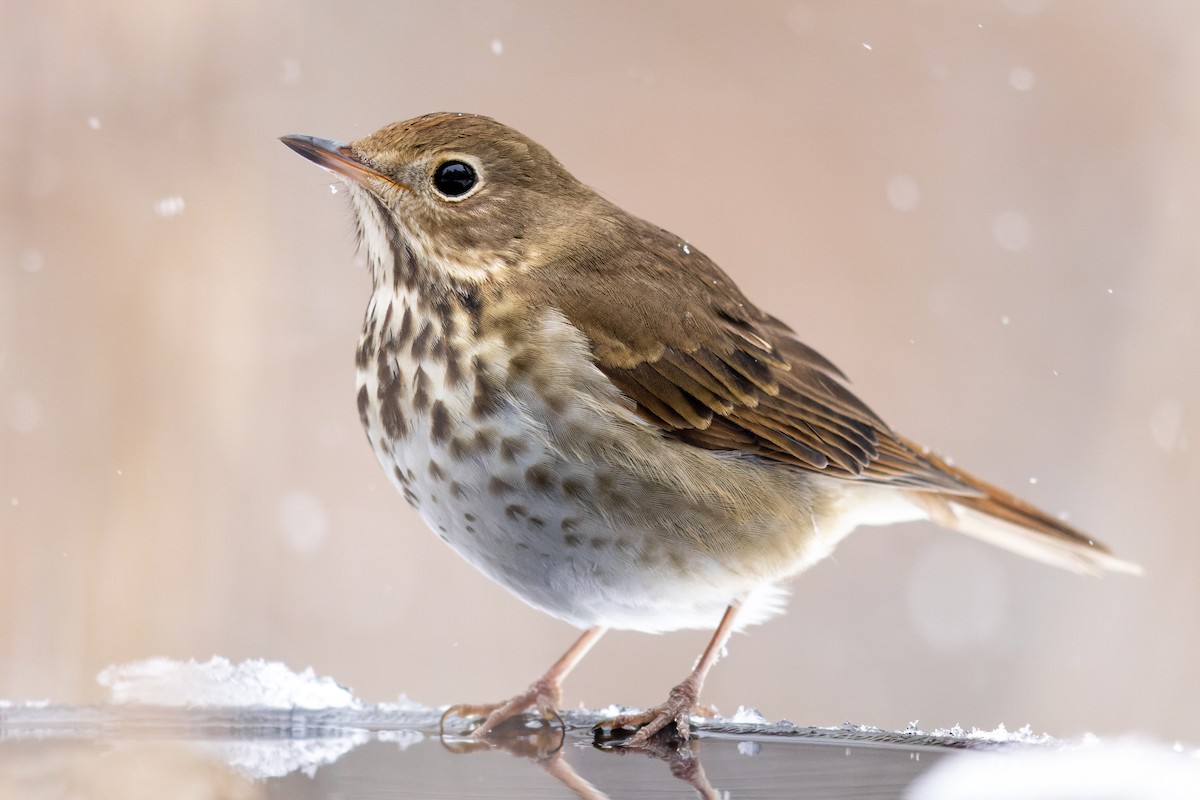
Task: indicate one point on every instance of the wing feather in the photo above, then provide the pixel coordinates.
(702, 363)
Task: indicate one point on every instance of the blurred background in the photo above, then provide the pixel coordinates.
(985, 212)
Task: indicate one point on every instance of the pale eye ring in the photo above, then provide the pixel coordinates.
(454, 179)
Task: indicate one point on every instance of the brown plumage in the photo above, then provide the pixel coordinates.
(589, 410)
(709, 368)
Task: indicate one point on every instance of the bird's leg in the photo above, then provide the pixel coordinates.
(682, 699)
(544, 694)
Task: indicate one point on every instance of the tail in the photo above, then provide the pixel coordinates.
(997, 517)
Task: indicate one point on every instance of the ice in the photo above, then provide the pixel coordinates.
(274, 759)
(749, 748)
(404, 739)
(94, 123)
(169, 206)
(497, 47)
(220, 683)
(998, 735)
(1129, 770)
(24, 703)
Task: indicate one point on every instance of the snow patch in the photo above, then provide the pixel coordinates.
(1128, 770)
(747, 716)
(218, 682)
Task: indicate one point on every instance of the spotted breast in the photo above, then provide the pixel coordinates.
(493, 421)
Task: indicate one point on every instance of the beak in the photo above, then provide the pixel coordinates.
(335, 157)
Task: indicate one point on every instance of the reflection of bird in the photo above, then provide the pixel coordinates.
(588, 410)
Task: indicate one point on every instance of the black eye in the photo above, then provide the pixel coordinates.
(454, 178)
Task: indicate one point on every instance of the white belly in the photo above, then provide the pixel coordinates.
(580, 509)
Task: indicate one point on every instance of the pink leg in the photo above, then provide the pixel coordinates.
(682, 699)
(544, 694)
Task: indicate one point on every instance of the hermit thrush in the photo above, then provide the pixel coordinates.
(587, 409)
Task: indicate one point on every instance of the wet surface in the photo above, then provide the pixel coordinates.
(381, 752)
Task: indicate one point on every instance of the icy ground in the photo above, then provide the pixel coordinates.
(280, 721)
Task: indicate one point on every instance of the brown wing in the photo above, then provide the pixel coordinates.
(705, 365)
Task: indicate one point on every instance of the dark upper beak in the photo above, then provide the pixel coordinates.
(335, 157)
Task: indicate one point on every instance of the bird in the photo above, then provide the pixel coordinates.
(587, 409)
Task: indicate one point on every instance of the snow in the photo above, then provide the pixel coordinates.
(1120, 770)
(747, 716)
(24, 703)
(218, 682)
(998, 735)
(169, 206)
(1029, 765)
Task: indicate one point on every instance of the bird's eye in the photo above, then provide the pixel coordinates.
(454, 178)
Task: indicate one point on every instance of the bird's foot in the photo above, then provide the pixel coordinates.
(677, 709)
(543, 695)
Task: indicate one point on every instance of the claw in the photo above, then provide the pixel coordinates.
(649, 723)
(540, 696)
(544, 695)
